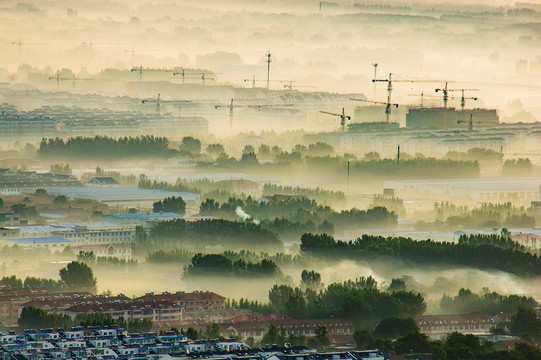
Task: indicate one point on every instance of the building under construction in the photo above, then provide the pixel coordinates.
(450, 118)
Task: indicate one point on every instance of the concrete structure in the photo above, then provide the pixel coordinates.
(126, 196)
(14, 183)
(449, 118)
(83, 233)
(53, 243)
(516, 190)
(439, 326)
(143, 219)
(120, 251)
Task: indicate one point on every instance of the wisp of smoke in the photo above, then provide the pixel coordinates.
(241, 213)
(244, 216)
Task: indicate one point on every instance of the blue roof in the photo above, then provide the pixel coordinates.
(40, 240)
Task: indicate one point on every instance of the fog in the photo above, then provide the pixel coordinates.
(174, 97)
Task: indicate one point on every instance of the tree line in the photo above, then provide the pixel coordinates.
(427, 252)
(75, 277)
(228, 234)
(35, 318)
(104, 147)
(219, 265)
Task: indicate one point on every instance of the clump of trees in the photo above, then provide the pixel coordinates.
(104, 147)
(213, 232)
(487, 302)
(293, 217)
(370, 248)
(359, 300)
(78, 276)
(35, 318)
(488, 215)
(170, 204)
(220, 265)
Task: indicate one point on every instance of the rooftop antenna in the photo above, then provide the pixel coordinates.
(268, 67)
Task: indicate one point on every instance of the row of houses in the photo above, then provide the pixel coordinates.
(166, 308)
(63, 121)
(116, 343)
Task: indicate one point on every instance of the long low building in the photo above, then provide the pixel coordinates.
(126, 196)
(522, 190)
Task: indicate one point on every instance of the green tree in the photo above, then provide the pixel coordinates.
(170, 204)
(248, 149)
(12, 281)
(279, 295)
(191, 145)
(525, 323)
(322, 337)
(393, 327)
(40, 192)
(78, 276)
(60, 201)
(311, 280)
(193, 334)
(212, 331)
(363, 339)
(35, 318)
(273, 336)
(215, 150)
(88, 257)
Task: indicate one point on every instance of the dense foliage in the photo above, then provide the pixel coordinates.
(78, 276)
(488, 215)
(220, 265)
(426, 252)
(486, 302)
(321, 196)
(290, 218)
(104, 147)
(227, 234)
(170, 204)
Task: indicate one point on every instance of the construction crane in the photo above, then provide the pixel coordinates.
(20, 43)
(253, 80)
(289, 85)
(390, 82)
(231, 106)
(387, 105)
(423, 96)
(141, 69)
(343, 117)
(445, 91)
(194, 75)
(59, 78)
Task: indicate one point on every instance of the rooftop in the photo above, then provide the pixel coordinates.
(40, 240)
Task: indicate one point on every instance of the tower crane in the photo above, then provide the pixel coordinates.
(231, 106)
(194, 75)
(387, 105)
(59, 78)
(289, 85)
(390, 82)
(20, 43)
(140, 69)
(253, 80)
(423, 96)
(445, 91)
(343, 117)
